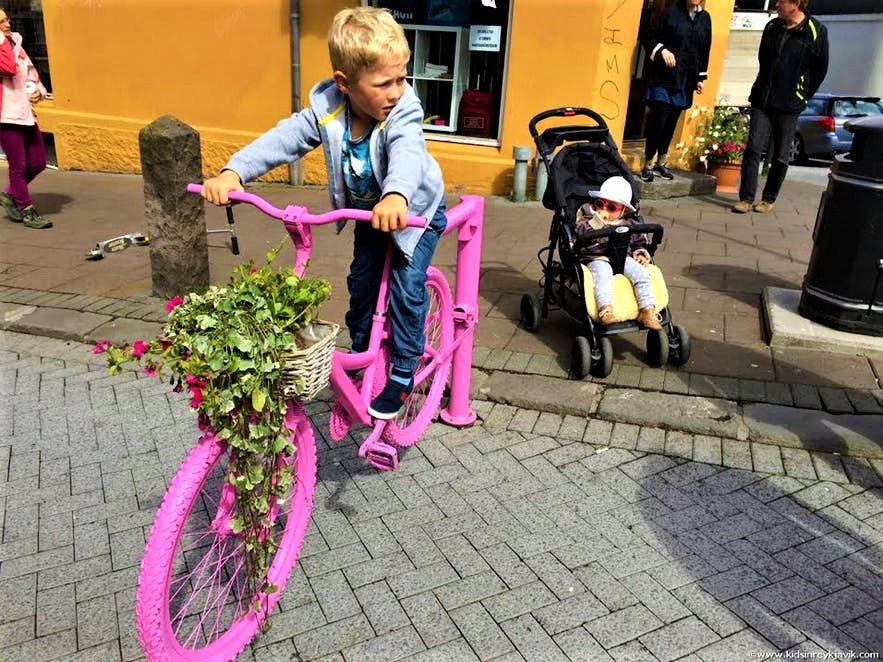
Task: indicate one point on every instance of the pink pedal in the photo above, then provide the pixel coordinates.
(382, 456)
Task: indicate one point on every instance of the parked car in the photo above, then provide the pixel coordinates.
(820, 130)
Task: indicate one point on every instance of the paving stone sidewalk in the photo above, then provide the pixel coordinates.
(735, 388)
(529, 536)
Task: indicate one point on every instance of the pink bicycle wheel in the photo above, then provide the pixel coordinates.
(193, 601)
(431, 375)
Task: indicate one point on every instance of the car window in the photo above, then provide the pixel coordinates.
(814, 107)
(844, 108)
(866, 107)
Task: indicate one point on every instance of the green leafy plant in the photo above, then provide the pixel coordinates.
(226, 345)
(721, 135)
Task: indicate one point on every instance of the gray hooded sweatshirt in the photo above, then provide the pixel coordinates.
(398, 153)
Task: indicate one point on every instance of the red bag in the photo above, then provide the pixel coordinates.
(474, 115)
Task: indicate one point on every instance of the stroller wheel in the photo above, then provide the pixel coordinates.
(580, 357)
(603, 365)
(680, 346)
(531, 315)
(657, 348)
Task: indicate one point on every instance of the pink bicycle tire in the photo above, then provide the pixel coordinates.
(423, 404)
(153, 613)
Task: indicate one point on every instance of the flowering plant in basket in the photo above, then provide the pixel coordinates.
(721, 135)
(227, 347)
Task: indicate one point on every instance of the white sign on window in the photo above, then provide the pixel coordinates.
(485, 37)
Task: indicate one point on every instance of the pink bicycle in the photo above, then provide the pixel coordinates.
(193, 601)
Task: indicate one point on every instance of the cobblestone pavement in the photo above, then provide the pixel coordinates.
(528, 536)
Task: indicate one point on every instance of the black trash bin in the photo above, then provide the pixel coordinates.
(843, 286)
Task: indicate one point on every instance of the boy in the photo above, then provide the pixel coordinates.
(369, 123)
(608, 208)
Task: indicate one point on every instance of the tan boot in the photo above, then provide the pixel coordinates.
(606, 315)
(742, 207)
(647, 316)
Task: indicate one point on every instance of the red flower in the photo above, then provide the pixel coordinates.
(194, 382)
(101, 347)
(195, 397)
(138, 348)
(173, 303)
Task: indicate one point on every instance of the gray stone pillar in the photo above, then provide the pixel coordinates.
(170, 158)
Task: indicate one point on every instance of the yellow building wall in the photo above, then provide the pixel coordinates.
(221, 66)
(224, 67)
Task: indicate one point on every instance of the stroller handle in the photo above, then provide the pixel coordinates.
(568, 111)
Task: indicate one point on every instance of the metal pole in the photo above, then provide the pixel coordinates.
(295, 169)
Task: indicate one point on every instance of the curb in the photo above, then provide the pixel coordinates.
(795, 416)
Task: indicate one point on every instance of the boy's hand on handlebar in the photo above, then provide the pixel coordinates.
(391, 213)
(216, 189)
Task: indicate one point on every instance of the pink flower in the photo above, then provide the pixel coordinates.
(150, 370)
(138, 348)
(101, 347)
(194, 382)
(173, 303)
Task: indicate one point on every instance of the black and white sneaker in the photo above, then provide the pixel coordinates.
(392, 398)
(647, 174)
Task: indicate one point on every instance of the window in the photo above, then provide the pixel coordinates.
(855, 108)
(818, 7)
(755, 5)
(868, 107)
(26, 17)
(458, 53)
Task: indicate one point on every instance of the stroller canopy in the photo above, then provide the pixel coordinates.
(579, 168)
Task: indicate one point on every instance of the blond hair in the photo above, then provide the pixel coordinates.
(363, 38)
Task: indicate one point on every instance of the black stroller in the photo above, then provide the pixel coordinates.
(580, 166)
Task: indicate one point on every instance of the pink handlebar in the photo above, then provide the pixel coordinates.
(300, 214)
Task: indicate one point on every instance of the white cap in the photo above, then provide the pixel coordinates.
(615, 189)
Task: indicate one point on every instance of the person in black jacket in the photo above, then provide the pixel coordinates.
(793, 57)
(679, 42)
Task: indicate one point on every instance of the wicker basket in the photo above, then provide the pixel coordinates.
(306, 371)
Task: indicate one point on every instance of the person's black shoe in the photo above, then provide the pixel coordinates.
(662, 170)
(392, 398)
(647, 174)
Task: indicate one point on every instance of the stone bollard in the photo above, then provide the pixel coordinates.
(519, 182)
(170, 158)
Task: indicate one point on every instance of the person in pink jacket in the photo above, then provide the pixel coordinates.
(20, 137)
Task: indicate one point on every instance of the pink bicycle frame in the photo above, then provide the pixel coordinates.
(467, 218)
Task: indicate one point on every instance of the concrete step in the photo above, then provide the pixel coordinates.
(684, 183)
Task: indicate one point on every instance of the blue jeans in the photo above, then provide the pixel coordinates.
(407, 289)
(765, 123)
(602, 275)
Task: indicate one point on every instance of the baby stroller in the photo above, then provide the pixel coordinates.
(580, 166)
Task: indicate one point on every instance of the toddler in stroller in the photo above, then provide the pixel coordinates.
(609, 208)
(587, 171)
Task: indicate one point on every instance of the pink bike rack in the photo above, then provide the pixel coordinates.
(468, 217)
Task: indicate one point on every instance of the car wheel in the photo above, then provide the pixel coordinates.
(795, 150)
